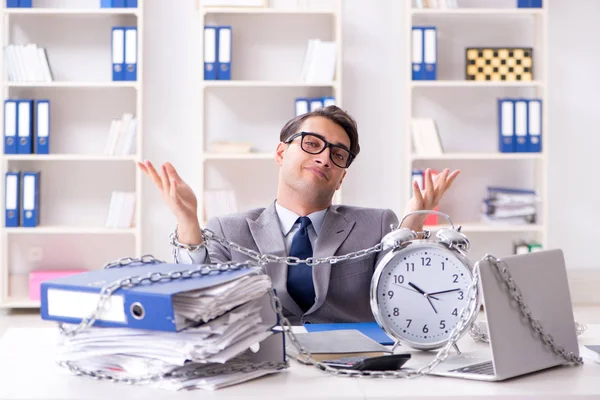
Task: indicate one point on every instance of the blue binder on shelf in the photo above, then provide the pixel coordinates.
(506, 125)
(429, 53)
(25, 3)
(370, 329)
(329, 101)
(534, 126)
(118, 3)
(12, 199)
(12, 3)
(224, 53)
(10, 126)
(71, 298)
(42, 127)
(210, 53)
(520, 125)
(529, 3)
(118, 53)
(25, 126)
(106, 3)
(131, 3)
(30, 205)
(417, 53)
(315, 104)
(300, 106)
(131, 53)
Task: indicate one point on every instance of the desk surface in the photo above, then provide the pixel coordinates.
(27, 371)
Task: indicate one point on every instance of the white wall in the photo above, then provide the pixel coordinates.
(373, 92)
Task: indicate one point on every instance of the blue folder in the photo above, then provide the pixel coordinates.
(147, 306)
(370, 329)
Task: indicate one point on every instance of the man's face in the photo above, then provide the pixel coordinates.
(314, 172)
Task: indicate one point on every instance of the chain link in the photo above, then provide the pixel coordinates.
(465, 321)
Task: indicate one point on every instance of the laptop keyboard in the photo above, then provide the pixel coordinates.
(484, 368)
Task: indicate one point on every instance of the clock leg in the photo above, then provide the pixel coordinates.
(456, 348)
(397, 344)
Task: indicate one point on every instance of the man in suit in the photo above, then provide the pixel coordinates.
(314, 154)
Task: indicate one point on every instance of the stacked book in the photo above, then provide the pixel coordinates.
(510, 206)
(27, 63)
(319, 62)
(203, 331)
(121, 136)
(121, 210)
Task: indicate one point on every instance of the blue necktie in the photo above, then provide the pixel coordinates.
(299, 280)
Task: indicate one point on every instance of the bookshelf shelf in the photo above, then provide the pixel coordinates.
(478, 11)
(82, 85)
(267, 84)
(69, 157)
(77, 179)
(465, 119)
(265, 11)
(243, 156)
(70, 230)
(257, 67)
(481, 156)
(72, 11)
(475, 84)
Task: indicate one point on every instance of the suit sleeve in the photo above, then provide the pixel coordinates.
(213, 253)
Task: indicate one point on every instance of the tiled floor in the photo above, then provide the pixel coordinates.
(31, 318)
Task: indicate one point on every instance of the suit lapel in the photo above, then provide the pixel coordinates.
(334, 231)
(267, 235)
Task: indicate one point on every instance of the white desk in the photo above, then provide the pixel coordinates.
(27, 371)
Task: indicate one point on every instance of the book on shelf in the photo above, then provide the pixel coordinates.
(27, 63)
(425, 137)
(226, 147)
(121, 210)
(319, 61)
(121, 136)
(440, 4)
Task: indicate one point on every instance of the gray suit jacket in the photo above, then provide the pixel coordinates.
(342, 289)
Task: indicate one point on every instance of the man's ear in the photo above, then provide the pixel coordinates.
(279, 152)
(339, 185)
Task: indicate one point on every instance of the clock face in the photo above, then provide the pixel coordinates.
(420, 293)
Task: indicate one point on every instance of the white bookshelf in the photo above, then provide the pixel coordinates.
(76, 177)
(466, 116)
(255, 104)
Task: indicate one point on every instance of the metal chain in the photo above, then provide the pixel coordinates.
(467, 314)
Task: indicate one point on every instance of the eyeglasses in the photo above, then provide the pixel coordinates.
(313, 143)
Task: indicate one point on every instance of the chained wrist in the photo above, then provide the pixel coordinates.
(189, 247)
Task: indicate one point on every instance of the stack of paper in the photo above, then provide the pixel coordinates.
(205, 343)
(510, 206)
(121, 210)
(121, 136)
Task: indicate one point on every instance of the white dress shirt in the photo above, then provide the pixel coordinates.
(288, 225)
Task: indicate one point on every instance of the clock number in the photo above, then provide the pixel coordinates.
(426, 261)
(455, 312)
(425, 329)
(461, 295)
(443, 265)
(455, 278)
(409, 266)
(391, 294)
(409, 321)
(443, 324)
(396, 312)
(398, 278)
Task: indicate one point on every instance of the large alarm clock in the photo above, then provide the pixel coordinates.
(420, 287)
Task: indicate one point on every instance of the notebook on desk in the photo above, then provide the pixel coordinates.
(336, 344)
(369, 329)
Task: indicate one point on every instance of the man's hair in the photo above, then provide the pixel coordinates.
(332, 113)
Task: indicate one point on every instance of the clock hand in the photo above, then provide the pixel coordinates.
(412, 290)
(429, 300)
(446, 291)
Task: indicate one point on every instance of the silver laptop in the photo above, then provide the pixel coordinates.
(514, 348)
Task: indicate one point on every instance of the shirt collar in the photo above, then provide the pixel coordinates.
(288, 218)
